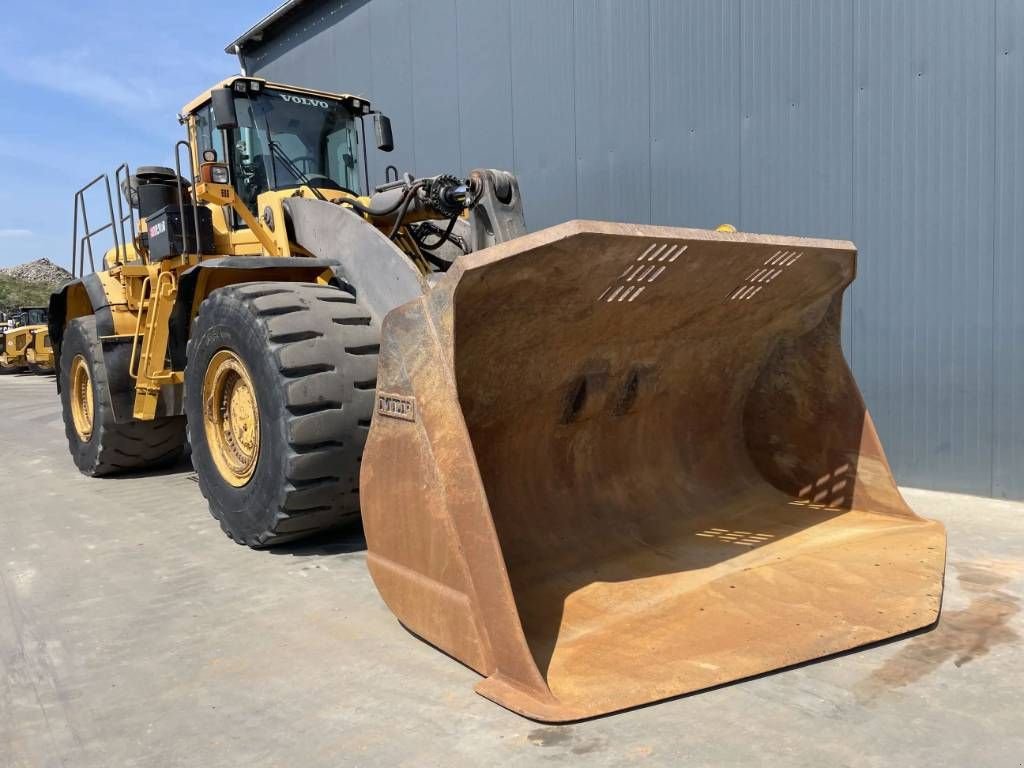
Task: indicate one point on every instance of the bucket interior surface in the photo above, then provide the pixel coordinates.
(763, 584)
(686, 487)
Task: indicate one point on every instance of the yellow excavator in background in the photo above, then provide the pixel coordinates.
(602, 464)
(25, 342)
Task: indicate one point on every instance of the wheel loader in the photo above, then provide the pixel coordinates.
(25, 342)
(601, 464)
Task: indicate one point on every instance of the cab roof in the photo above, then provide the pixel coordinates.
(206, 95)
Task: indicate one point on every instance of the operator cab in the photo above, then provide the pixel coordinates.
(277, 138)
(29, 316)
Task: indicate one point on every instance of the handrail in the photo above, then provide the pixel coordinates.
(192, 194)
(128, 218)
(133, 366)
(79, 246)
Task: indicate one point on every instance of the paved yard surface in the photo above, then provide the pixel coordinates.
(133, 633)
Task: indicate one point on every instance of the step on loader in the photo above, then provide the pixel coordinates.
(601, 464)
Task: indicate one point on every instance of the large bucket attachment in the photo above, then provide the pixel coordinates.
(612, 464)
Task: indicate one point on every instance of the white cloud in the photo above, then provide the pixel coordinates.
(74, 72)
(12, 233)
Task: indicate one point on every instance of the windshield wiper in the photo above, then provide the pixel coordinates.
(276, 151)
(293, 169)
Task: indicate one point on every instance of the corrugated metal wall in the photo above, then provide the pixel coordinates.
(895, 123)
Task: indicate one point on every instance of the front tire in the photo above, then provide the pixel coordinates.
(99, 445)
(279, 389)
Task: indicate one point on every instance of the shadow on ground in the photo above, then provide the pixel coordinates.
(338, 541)
(182, 466)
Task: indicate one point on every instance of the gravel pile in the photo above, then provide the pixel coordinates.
(43, 271)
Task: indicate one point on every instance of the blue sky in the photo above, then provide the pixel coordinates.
(87, 85)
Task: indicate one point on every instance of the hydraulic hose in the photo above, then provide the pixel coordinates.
(376, 212)
(406, 200)
(442, 237)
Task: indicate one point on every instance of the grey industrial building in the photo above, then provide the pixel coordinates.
(894, 123)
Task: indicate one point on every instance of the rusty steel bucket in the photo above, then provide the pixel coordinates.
(612, 464)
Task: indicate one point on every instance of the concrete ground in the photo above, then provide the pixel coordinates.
(133, 633)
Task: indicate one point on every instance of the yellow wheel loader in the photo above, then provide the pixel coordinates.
(601, 464)
(25, 344)
(39, 354)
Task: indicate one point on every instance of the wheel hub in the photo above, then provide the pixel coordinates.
(81, 398)
(231, 417)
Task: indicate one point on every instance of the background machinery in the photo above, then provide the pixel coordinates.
(25, 342)
(604, 463)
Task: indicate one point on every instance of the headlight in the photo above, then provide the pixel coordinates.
(215, 173)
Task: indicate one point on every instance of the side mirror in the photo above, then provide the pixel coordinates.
(382, 127)
(224, 108)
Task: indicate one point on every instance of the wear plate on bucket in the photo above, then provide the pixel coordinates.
(616, 463)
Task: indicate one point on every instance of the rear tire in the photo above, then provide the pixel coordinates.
(99, 445)
(306, 356)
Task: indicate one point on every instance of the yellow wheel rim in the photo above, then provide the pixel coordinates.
(231, 418)
(81, 398)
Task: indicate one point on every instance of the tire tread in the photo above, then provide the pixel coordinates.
(122, 447)
(324, 346)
